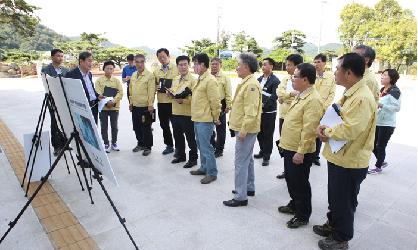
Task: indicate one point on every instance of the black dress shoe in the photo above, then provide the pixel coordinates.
(258, 156)
(296, 222)
(218, 153)
(168, 150)
(178, 160)
(235, 203)
(280, 176)
(249, 193)
(190, 164)
(265, 162)
(316, 162)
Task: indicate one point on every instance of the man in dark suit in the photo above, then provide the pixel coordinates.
(82, 72)
(54, 69)
(269, 83)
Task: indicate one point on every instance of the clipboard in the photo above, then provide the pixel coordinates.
(110, 92)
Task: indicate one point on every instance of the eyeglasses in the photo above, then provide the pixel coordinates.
(139, 61)
(295, 77)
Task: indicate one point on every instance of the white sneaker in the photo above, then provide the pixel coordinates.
(107, 148)
(115, 147)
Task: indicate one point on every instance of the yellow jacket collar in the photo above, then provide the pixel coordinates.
(354, 88)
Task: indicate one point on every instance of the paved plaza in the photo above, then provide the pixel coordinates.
(167, 208)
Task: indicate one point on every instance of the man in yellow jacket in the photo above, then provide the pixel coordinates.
(205, 110)
(370, 79)
(347, 168)
(298, 144)
(325, 85)
(245, 119)
(141, 104)
(163, 79)
(182, 122)
(109, 86)
(285, 92)
(225, 94)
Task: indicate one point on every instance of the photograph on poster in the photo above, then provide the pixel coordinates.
(87, 131)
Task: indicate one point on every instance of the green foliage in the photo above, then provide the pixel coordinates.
(19, 15)
(279, 54)
(291, 39)
(20, 57)
(42, 39)
(229, 64)
(204, 45)
(386, 27)
(245, 43)
(116, 54)
(87, 42)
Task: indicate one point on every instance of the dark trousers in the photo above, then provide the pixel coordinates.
(104, 116)
(220, 134)
(381, 139)
(281, 120)
(57, 137)
(165, 116)
(265, 136)
(297, 180)
(318, 148)
(142, 129)
(343, 188)
(183, 125)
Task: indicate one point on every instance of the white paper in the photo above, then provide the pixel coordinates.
(103, 102)
(331, 119)
(83, 119)
(43, 161)
(289, 86)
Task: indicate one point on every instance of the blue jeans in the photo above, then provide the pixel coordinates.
(203, 132)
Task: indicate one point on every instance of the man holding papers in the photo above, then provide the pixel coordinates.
(298, 144)
(182, 122)
(109, 86)
(347, 167)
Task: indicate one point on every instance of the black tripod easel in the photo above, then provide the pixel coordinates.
(47, 104)
(83, 163)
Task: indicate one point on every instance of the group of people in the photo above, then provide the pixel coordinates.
(197, 108)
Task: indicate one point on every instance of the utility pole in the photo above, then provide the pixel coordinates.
(323, 2)
(218, 28)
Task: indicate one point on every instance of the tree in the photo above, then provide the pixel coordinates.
(116, 54)
(240, 42)
(204, 45)
(87, 42)
(224, 41)
(245, 43)
(253, 47)
(291, 39)
(279, 54)
(19, 15)
(355, 23)
(390, 30)
(20, 57)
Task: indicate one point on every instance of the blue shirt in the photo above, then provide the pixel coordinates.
(128, 71)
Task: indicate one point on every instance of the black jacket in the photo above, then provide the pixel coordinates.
(76, 74)
(50, 70)
(269, 93)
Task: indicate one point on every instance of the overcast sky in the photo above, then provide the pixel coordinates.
(173, 24)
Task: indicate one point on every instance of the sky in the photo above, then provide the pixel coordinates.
(173, 24)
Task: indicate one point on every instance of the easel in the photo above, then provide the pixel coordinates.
(84, 164)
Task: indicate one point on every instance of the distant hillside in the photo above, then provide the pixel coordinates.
(312, 50)
(41, 41)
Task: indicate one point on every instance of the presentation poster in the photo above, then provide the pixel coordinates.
(83, 119)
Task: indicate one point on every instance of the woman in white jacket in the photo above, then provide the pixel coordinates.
(389, 104)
